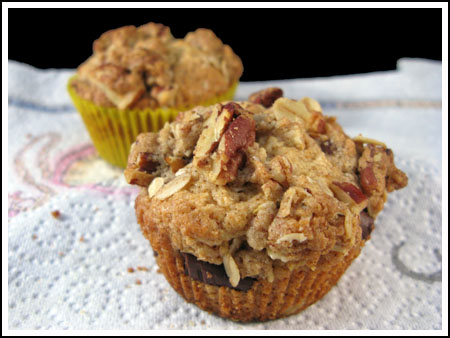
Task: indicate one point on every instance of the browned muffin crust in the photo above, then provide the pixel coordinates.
(146, 67)
(261, 188)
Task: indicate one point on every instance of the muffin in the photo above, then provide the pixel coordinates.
(255, 209)
(138, 78)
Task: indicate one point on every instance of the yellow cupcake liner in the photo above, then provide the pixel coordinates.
(113, 130)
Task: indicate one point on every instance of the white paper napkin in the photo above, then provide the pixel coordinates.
(93, 269)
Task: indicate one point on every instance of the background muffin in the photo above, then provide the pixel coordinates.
(255, 210)
(138, 78)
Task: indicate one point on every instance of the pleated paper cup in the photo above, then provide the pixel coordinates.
(113, 130)
(289, 293)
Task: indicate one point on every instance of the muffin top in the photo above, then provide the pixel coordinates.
(146, 67)
(261, 183)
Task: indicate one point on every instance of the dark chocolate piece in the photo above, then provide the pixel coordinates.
(328, 147)
(211, 274)
(367, 225)
(145, 162)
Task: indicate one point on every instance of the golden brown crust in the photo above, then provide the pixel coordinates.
(146, 67)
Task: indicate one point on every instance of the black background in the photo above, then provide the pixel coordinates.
(272, 43)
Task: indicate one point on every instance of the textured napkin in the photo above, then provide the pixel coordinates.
(91, 268)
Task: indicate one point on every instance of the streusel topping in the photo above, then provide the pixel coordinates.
(146, 67)
(251, 186)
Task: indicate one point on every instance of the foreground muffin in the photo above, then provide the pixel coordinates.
(255, 209)
(139, 78)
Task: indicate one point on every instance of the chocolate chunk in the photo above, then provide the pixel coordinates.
(367, 225)
(211, 274)
(328, 147)
(145, 162)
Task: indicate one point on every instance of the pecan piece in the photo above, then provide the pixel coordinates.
(231, 151)
(136, 177)
(239, 135)
(266, 97)
(350, 194)
(368, 179)
(216, 125)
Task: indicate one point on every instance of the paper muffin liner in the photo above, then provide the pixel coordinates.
(113, 130)
(289, 293)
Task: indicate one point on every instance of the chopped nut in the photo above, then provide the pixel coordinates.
(130, 270)
(351, 195)
(239, 135)
(81, 239)
(142, 268)
(368, 179)
(138, 282)
(299, 237)
(154, 187)
(216, 125)
(231, 269)
(266, 97)
(136, 177)
(319, 125)
(178, 183)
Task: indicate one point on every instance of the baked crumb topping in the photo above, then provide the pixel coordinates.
(146, 67)
(261, 186)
